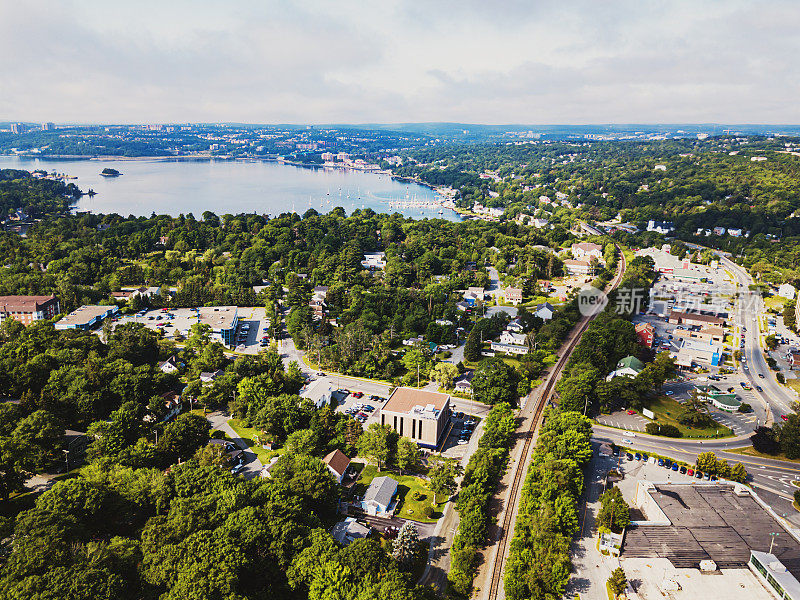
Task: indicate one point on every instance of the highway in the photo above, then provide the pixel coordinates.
(766, 473)
(777, 399)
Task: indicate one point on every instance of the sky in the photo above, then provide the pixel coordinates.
(394, 61)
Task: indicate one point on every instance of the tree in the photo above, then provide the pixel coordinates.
(666, 430)
(212, 454)
(618, 581)
(614, 511)
(443, 477)
(765, 439)
(707, 462)
(374, 443)
(444, 373)
(495, 382)
(408, 455)
(39, 436)
(406, 545)
(789, 436)
(472, 347)
(184, 436)
(738, 473)
(302, 441)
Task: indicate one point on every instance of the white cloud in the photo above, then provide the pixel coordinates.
(513, 61)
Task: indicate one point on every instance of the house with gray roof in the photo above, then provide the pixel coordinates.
(379, 496)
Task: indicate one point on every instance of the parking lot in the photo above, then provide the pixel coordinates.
(174, 321)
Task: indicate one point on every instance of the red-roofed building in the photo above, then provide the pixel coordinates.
(646, 334)
(27, 309)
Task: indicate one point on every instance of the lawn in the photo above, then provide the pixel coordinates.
(750, 451)
(667, 412)
(407, 484)
(794, 384)
(774, 302)
(248, 434)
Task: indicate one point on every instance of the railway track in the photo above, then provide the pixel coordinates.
(544, 395)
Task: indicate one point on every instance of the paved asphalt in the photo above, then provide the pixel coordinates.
(770, 474)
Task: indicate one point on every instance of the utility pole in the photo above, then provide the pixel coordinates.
(772, 541)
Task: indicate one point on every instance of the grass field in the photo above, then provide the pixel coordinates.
(667, 412)
(750, 451)
(793, 384)
(407, 485)
(774, 302)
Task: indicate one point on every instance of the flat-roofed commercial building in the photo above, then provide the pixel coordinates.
(418, 415)
(27, 309)
(86, 317)
(222, 320)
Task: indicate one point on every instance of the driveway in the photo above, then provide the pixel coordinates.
(425, 530)
(253, 466)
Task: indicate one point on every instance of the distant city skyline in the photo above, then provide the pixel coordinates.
(583, 62)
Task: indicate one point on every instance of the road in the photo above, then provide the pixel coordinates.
(252, 465)
(766, 473)
(776, 398)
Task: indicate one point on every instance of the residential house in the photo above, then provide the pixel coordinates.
(317, 302)
(349, 530)
(646, 334)
(463, 306)
(463, 383)
(735, 232)
(379, 496)
(337, 463)
(473, 295)
(578, 267)
(719, 231)
(544, 311)
(663, 227)
(211, 376)
(630, 366)
(172, 405)
(169, 366)
(513, 295)
(514, 326)
(517, 339)
(374, 260)
(586, 251)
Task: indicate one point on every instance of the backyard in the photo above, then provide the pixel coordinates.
(408, 506)
(248, 434)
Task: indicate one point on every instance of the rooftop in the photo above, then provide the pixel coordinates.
(405, 400)
(337, 460)
(85, 314)
(217, 317)
(23, 304)
(381, 490)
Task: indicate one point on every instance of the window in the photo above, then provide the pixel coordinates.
(413, 428)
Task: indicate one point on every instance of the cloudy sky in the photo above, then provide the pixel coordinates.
(479, 61)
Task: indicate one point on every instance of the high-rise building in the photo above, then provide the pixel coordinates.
(17, 128)
(49, 126)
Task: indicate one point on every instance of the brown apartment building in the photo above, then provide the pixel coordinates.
(419, 415)
(27, 309)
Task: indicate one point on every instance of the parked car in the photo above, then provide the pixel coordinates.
(674, 466)
(690, 472)
(358, 394)
(644, 457)
(631, 412)
(698, 475)
(784, 417)
(462, 441)
(668, 464)
(637, 456)
(660, 462)
(629, 456)
(237, 469)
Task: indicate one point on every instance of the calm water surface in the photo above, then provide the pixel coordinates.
(175, 187)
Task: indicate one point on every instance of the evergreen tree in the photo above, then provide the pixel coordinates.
(618, 581)
(472, 348)
(406, 544)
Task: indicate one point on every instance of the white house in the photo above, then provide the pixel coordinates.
(379, 496)
(787, 291)
(544, 311)
(169, 366)
(337, 463)
(516, 339)
(662, 227)
(374, 260)
(514, 327)
(586, 251)
(349, 530)
(630, 366)
(319, 392)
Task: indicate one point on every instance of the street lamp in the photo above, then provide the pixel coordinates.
(772, 541)
(66, 455)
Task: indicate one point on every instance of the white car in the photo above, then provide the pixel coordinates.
(462, 442)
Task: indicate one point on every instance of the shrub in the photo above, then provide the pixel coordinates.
(428, 512)
(216, 434)
(744, 407)
(797, 497)
(664, 430)
(780, 377)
